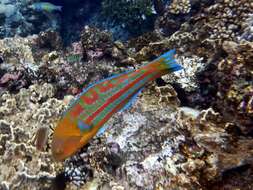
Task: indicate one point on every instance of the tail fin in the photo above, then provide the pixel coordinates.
(168, 59)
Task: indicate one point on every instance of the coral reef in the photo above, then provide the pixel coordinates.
(235, 84)
(247, 29)
(133, 15)
(227, 18)
(18, 19)
(224, 20)
(14, 50)
(94, 42)
(187, 77)
(23, 167)
(180, 6)
(188, 130)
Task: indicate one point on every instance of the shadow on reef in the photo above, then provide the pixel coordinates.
(59, 183)
(239, 177)
(121, 19)
(75, 15)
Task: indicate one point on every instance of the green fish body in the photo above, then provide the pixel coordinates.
(86, 116)
(44, 6)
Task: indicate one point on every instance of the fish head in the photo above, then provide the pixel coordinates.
(66, 139)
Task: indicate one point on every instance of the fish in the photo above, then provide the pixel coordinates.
(41, 138)
(92, 108)
(45, 6)
(74, 58)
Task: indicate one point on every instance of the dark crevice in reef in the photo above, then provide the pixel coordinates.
(160, 82)
(181, 94)
(59, 183)
(74, 16)
(236, 178)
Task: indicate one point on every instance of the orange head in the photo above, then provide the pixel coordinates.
(66, 139)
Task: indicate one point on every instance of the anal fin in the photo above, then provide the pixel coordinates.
(131, 101)
(102, 130)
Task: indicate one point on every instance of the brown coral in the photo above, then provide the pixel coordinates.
(22, 114)
(94, 39)
(180, 6)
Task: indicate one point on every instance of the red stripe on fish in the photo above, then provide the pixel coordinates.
(118, 107)
(91, 97)
(115, 96)
(76, 110)
(105, 86)
(120, 79)
(113, 111)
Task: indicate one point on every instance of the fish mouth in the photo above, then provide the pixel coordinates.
(63, 147)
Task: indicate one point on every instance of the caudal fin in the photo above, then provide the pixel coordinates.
(169, 60)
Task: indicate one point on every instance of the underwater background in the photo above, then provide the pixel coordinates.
(192, 129)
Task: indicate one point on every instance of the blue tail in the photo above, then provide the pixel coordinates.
(170, 61)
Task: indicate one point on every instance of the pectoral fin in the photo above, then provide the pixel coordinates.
(83, 126)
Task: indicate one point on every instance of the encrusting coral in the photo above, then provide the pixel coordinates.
(187, 77)
(235, 86)
(180, 6)
(22, 114)
(227, 18)
(132, 15)
(14, 50)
